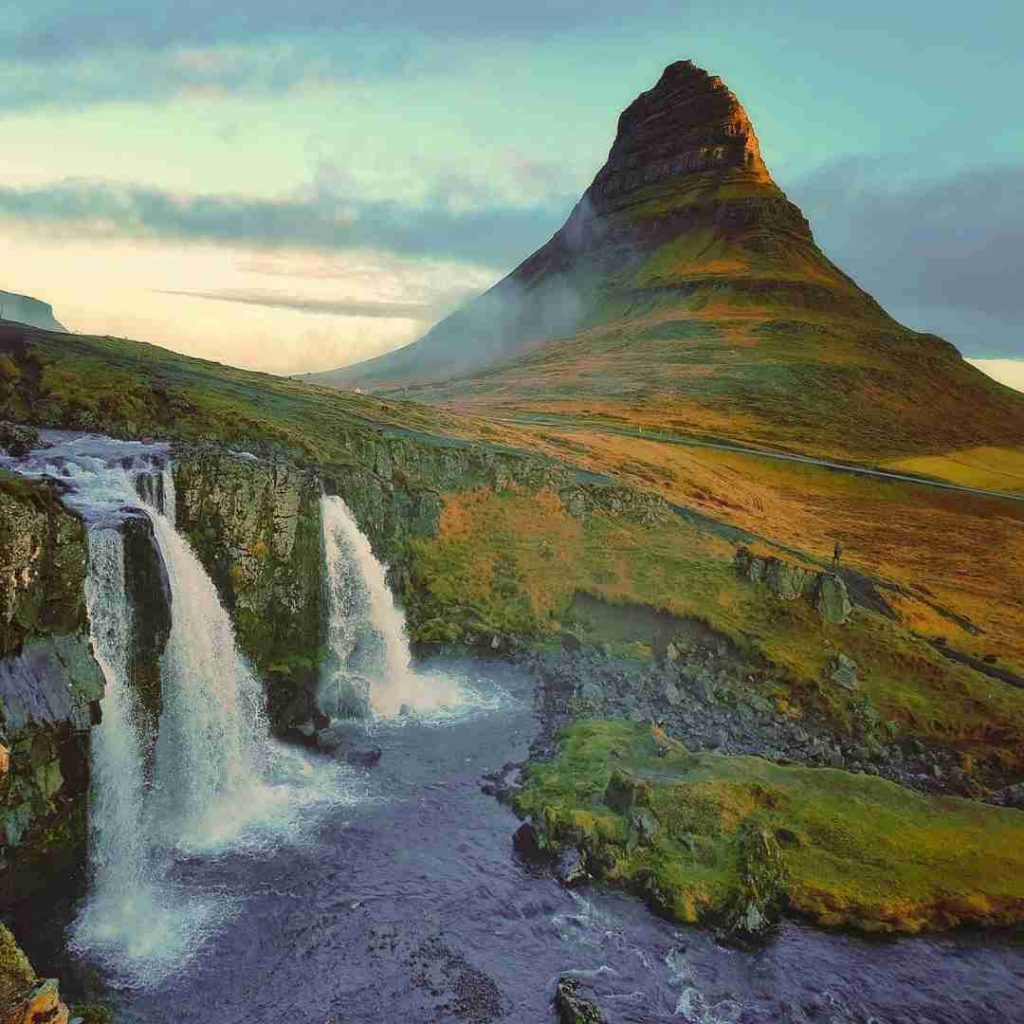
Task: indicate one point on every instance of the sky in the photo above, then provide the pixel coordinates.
(296, 186)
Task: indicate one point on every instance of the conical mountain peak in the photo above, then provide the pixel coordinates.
(686, 290)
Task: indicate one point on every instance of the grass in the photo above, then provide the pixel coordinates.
(956, 559)
(129, 388)
(991, 468)
(515, 562)
(858, 851)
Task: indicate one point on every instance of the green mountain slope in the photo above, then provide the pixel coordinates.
(685, 290)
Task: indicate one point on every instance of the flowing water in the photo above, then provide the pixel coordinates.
(356, 897)
(370, 659)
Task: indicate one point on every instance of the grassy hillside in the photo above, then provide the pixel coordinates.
(515, 562)
(133, 389)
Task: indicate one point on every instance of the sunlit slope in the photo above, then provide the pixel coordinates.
(133, 389)
(996, 469)
(686, 291)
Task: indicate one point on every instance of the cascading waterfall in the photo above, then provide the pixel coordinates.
(122, 895)
(369, 648)
(212, 727)
(215, 772)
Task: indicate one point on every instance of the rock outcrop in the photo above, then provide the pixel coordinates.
(571, 1007)
(50, 686)
(255, 525)
(827, 590)
(24, 997)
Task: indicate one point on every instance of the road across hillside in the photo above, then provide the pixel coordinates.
(767, 453)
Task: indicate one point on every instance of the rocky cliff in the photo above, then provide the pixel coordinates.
(50, 685)
(26, 998)
(255, 525)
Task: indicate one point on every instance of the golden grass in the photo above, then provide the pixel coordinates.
(515, 562)
(989, 467)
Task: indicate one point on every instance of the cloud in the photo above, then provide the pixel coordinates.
(944, 249)
(1007, 371)
(495, 235)
(382, 309)
(55, 28)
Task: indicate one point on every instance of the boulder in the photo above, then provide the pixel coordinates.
(833, 599)
(643, 827)
(571, 1007)
(572, 868)
(530, 844)
(754, 909)
(1010, 796)
(626, 792)
(843, 672)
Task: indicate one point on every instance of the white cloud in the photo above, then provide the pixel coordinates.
(119, 287)
(1006, 371)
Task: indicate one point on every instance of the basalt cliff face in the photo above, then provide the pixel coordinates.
(50, 685)
(685, 290)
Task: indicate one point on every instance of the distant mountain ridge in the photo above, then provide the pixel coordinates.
(23, 309)
(686, 290)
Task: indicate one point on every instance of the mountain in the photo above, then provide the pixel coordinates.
(685, 291)
(23, 309)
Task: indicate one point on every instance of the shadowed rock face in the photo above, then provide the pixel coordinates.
(50, 687)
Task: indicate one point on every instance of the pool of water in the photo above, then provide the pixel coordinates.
(393, 894)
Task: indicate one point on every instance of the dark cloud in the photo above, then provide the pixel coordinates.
(383, 309)
(495, 236)
(945, 251)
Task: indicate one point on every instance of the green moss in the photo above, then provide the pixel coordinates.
(16, 974)
(840, 848)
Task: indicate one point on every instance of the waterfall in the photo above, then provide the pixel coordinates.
(116, 816)
(217, 779)
(369, 658)
(212, 726)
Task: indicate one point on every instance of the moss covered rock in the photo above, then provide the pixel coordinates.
(24, 998)
(740, 839)
(50, 687)
(255, 525)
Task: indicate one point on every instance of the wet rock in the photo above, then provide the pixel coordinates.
(1009, 796)
(17, 439)
(572, 868)
(363, 757)
(255, 525)
(843, 672)
(573, 1008)
(530, 844)
(833, 599)
(754, 910)
(347, 742)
